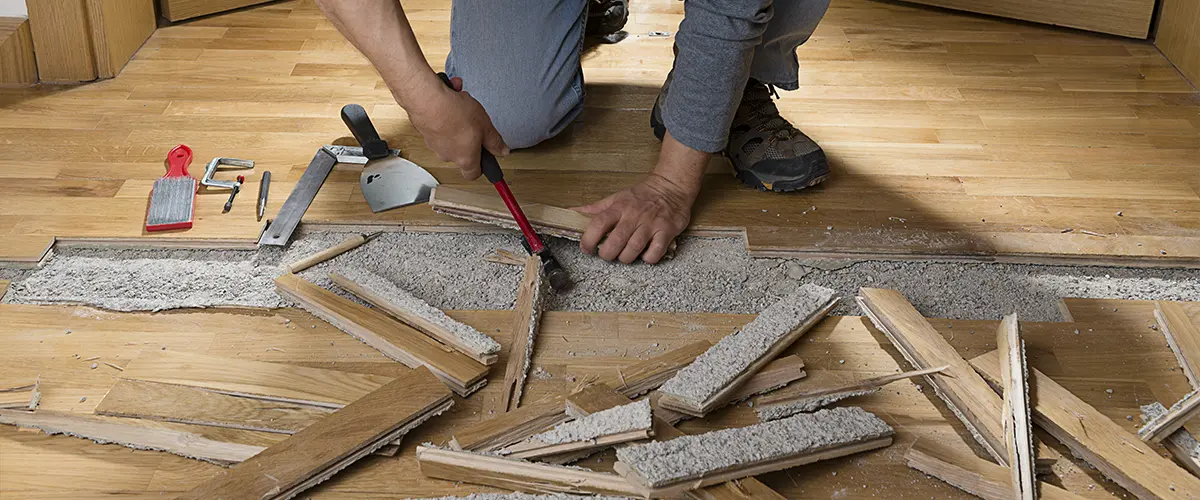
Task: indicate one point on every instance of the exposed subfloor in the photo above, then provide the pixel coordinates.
(448, 271)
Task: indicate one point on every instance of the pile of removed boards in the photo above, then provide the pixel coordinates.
(528, 447)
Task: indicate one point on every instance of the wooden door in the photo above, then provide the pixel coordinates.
(1129, 18)
(175, 10)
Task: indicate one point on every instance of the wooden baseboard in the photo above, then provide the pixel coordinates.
(17, 65)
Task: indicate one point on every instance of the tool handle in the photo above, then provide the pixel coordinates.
(328, 253)
(178, 160)
(487, 161)
(355, 117)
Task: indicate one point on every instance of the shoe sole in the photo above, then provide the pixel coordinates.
(780, 185)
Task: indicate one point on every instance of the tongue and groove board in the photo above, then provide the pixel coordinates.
(394, 339)
(318, 452)
(1120, 455)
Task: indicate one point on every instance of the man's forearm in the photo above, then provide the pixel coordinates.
(380, 30)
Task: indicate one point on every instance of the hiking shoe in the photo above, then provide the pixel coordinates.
(606, 17)
(656, 121)
(767, 152)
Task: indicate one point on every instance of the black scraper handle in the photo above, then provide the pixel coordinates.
(487, 161)
(355, 117)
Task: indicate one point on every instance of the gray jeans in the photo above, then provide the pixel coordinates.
(520, 59)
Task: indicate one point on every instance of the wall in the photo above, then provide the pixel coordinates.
(13, 8)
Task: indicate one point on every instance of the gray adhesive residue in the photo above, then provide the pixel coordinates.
(402, 299)
(1181, 438)
(723, 362)
(624, 418)
(807, 405)
(663, 463)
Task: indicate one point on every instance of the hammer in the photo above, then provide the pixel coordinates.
(556, 274)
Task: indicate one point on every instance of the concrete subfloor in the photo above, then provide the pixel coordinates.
(448, 271)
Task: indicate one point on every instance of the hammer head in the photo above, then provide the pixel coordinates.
(556, 274)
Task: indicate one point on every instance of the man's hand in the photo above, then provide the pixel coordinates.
(644, 219)
(454, 125)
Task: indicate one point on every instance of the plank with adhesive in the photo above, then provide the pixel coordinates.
(1178, 414)
(1094, 437)
(959, 386)
(430, 326)
(507, 428)
(778, 373)
(190, 405)
(1181, 326)
(871, 383)
(333, 443)
(394, 339)
(106, 431)
(519, 475)
(527, 313)
(972, 474)
(269, 381)
(1018, 431)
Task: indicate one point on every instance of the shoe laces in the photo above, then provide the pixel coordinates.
(761, 113)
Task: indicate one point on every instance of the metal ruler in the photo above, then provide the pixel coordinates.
(279, 232)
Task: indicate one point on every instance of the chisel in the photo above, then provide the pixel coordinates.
(263, 186)
(555, 273)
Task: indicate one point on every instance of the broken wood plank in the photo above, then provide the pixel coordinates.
(189, 405)
(527, 313)
(103, 431)
(967, 395)
(394, 339)
(511, 427)
(862, 385)
(645, 376)
(508, 428)
(12, 400)
(590, 431)
(1182, 331)
(685, 463)
(519, 475)
(597, 397)
(973, 474)
(321, 450)
(778, 373)
(262, 380)
(1181, 443)
(404, 306)
(502, 256)
(345, 246)
(702, 386)
(1018, 432)
(1178, 414)
(1097, 439)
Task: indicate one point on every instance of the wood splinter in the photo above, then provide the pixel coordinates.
(527, 313)
(1018, 431)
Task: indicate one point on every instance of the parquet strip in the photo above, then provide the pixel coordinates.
(1018, 431)
(333, 443)
(967, 395)
(972, 474)
(1181, 326)
(527, 313)
(189, 405)
(106, 431)
(269, 381)
(394, 339)
(1094, 437)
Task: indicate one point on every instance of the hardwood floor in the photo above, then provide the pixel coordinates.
(1131, 361)
(951, 135)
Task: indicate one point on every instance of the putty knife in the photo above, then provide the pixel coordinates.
(388, 181)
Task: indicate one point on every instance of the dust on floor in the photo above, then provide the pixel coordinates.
(448, 271)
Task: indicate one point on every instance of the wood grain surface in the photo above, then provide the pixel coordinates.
(190, 405)
(17, 64)
(1133, 361)
(1129, 18)
(323, 449)
(948, 134)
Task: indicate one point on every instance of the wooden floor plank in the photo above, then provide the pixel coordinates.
(889, 91)
(172, 403)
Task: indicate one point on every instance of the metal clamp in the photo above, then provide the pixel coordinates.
(352, 154)
(211, 169)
